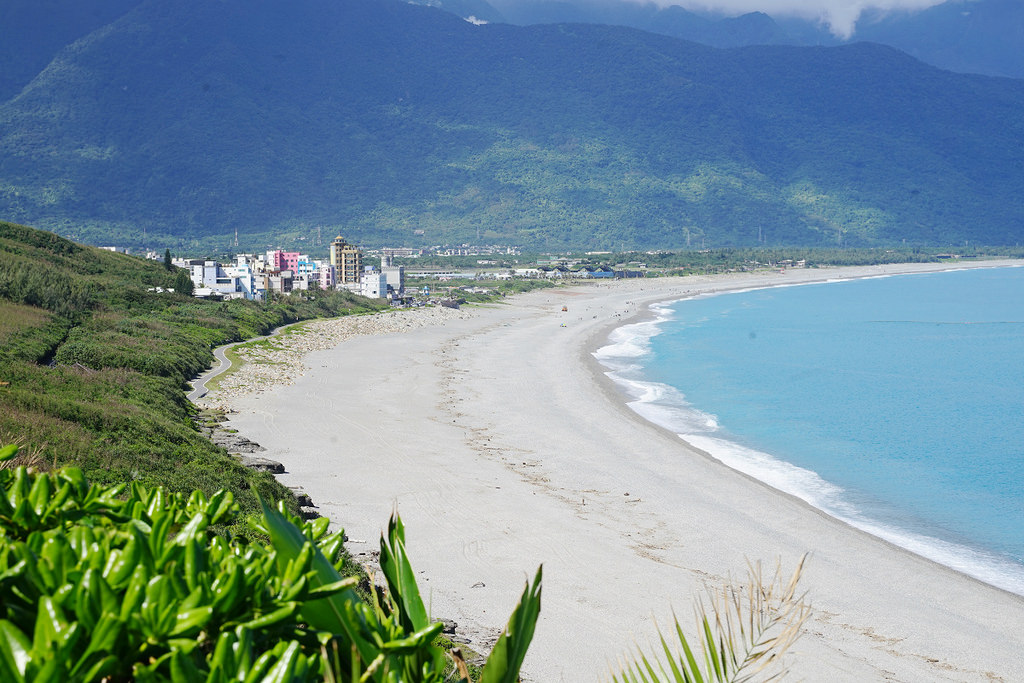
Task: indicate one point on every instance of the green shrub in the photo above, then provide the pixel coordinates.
(116, 584)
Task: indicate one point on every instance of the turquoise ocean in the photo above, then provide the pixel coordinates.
(893, 403)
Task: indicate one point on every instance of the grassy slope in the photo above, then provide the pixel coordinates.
(92, 365)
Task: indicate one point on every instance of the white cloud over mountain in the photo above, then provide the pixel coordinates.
(840, 15)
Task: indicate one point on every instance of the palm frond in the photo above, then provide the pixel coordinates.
(743, 631)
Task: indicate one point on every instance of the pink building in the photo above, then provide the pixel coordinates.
(326, 277)
(284, 260)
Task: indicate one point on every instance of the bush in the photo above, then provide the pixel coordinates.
(114, 584)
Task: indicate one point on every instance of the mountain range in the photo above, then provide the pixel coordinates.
(186, 122)
(967, 36)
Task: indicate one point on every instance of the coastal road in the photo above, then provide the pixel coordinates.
(223, 363)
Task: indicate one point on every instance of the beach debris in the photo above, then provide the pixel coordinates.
(266, 366)
(460, 663)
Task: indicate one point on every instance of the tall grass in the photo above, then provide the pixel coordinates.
(17, 317)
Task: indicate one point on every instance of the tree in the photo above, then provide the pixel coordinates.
(183, 283)
(167, 259)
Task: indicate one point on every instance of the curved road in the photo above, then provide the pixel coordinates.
(223, 363)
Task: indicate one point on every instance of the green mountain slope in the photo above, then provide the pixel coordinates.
(32, 32)
(186, 120)
(93, 364)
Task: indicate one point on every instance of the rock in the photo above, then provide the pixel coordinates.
(308, 513)
(263, 464)
(235, 443)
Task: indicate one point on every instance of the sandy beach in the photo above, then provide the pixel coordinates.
(502, 444)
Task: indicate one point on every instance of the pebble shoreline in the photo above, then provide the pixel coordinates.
(278, 360)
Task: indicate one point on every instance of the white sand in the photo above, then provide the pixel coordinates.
(504, 447)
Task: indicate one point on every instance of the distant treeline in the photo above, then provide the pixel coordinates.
(719, 259)
(724, 259)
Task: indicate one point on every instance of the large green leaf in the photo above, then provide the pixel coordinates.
(14, 652)
(507, 656)
(337, 613)
(402, 588)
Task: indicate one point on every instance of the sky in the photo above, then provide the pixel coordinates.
(839, 15)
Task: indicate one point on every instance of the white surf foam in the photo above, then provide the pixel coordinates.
(834, 500)
(667, 407)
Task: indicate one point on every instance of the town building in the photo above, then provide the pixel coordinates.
(401, 252)
(253, 276)
(210, 279)
(284, 260)
(325, 277)
(244, 277)
(347, 262)
(374, 285)
(395, 275)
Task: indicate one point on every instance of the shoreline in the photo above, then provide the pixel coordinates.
(981, 559)
(502, 442)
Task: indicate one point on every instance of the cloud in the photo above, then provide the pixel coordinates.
(839, 15)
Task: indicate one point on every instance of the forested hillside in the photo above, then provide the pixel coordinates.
(184, 121)
(34, 31)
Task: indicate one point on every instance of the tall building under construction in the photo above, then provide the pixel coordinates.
(347, 261)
